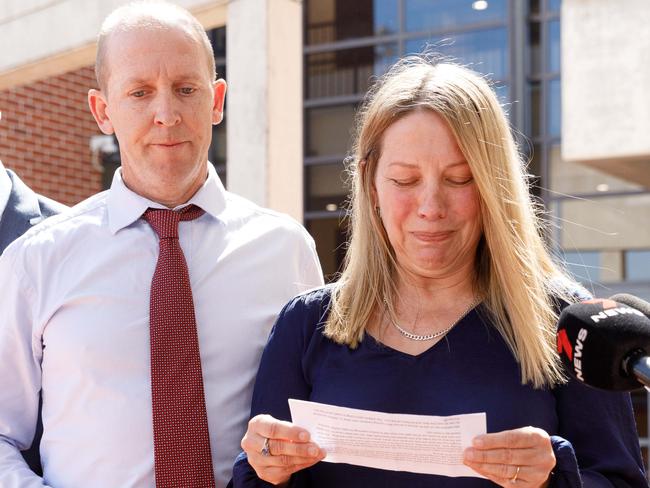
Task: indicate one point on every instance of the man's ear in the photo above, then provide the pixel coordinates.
(219, 97)
(99, 108)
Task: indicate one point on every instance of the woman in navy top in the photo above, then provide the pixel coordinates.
(447, 305)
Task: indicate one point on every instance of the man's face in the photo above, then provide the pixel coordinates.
(161, 102)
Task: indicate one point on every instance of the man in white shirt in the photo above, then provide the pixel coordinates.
(75, 295)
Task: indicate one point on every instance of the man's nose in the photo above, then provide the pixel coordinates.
(167, 112)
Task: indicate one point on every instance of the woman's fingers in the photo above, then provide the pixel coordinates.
(281, 460)
(267, 426)
(286, 453)
(292, 449)
(523, 456)
(513, 439)
(279, 468)
(516, 457)
(276, 449)
(500, 473)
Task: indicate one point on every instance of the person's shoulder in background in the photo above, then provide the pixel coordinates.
(50, 207)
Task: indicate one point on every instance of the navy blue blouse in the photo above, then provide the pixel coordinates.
(470, 370)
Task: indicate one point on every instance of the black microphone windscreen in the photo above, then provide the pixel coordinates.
(632, 301)
(596, 338)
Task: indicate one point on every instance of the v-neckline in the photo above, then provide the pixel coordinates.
(377, 345)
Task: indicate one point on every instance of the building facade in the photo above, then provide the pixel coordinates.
(570, 73)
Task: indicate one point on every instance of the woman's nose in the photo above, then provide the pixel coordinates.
(432, 205)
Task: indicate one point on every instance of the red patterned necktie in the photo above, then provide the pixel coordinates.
(180, 424)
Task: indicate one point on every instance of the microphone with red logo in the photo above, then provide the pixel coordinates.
(605, 343)
(632, 301)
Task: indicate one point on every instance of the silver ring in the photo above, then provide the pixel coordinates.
(265, 451)
(514, 478)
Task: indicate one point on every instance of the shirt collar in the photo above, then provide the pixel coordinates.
(5, 188)
(125, 206)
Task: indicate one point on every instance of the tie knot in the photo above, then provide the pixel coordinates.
(165, 222)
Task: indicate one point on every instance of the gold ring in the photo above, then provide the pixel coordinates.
(514, 478)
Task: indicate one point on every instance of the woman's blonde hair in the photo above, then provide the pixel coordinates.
(515, 274)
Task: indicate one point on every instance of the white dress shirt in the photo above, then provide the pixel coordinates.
(5, 188)
(74, 322)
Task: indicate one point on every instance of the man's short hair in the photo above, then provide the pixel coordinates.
(148, 15)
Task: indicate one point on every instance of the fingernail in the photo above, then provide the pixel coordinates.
(478, 442)
(313, 451)
(303, 436)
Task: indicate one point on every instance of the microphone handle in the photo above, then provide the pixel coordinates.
(641, 370)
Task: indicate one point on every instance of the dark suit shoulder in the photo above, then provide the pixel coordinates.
(50, 207)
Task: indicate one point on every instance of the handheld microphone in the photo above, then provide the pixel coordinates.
(632, 301)
(605, 344)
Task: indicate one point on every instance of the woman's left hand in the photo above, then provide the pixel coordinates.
(520, 457)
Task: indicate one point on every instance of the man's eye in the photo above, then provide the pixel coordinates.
(138, 94)
(187, 90)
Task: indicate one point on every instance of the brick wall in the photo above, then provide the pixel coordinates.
(45, 132)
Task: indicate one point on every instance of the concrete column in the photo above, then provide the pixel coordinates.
(264, 102)
(605, 80)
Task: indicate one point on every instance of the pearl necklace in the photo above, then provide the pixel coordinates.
(433, 335)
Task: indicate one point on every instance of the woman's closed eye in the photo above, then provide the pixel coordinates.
(460, 180)
(403, 182)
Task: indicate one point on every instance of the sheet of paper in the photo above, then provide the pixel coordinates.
(399, 442)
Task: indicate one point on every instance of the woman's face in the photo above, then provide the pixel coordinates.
(428, 200)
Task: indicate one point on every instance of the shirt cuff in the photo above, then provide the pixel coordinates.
(566, 473)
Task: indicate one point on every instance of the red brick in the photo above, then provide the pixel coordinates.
(44, 135)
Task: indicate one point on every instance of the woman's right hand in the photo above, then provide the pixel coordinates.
(288, 449)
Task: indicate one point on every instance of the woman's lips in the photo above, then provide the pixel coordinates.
(432, 236)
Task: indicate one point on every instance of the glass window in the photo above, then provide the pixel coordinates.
(347, 71)
(329, 235)
(574, 178)
(554, 46)
(534, 110)
(554, 106)
(218, 40)
(384, 16)
(554, 5)
(329, 130)
(535, 46)
(484, 51)
(221, 73)
(503, 94)
(534, 6)
(217, 151)
(637, 265)
(337, 20)
(110, 162)
(584, 266)
(426, 15)
(326, 187)
(534, 169)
